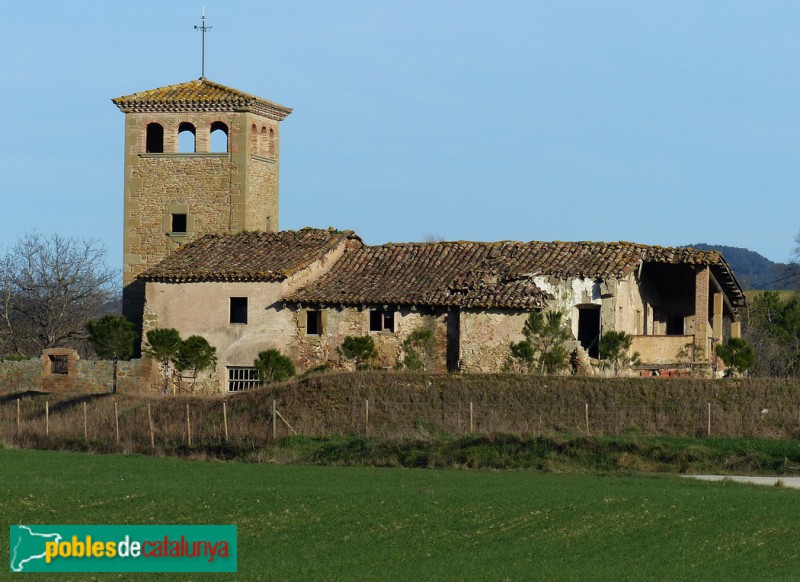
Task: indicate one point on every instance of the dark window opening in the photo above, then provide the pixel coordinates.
(186, 138)
(453, 340)
(238, 309)
(381, 320)
(179, 223)
(675, 325)
(272, 143)
(59, 365)
(589, 330)
(219, 137)
(313, 323)
(154, 143)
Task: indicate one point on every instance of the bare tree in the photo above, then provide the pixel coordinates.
(793, 269)
(50, 287)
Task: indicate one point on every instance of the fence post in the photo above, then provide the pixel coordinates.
(274, 421)
(150, 424)
(85, 425)
(586, 417)
(47, 418)
(116, 421)
(188, 427)
(17, 415)
(709, 419)
(471, 418)
(225, 419)
(366, 417)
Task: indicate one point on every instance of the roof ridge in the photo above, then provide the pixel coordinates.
(199, 94)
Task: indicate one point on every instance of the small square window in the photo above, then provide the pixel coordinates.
(179, 223)
(238, 309)
(381, 320)
(59, 365)
(313, 323)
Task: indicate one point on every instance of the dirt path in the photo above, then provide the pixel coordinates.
(793, 482)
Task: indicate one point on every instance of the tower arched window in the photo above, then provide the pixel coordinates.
(262, 146)
(272, 143)
(186, 138)
(254, 139)
(154, 142)
(219, 137)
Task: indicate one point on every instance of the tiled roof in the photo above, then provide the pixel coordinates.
(480, 275)
(247, 256)
(199, 95)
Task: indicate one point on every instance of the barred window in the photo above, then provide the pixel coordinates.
(242, 378)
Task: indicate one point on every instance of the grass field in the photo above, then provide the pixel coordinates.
(301, 522)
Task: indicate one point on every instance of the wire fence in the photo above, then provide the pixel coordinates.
(110, 423)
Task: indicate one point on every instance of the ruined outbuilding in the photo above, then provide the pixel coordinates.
(302, 292)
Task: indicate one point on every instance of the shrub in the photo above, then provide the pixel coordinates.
(164, 346)
(196, 354)
(738, 355)
(112, 337)
(273, 366)
(523, 358)
(419, 348)
(543, 346)
(614, 346)
(359, 349)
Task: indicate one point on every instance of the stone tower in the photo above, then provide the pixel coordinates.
(200, 158)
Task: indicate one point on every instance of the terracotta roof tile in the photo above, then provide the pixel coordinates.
(247, 256)
(482, 275)
(444, 274)
(200, 94)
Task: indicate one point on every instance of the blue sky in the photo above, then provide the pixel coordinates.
(664, 123)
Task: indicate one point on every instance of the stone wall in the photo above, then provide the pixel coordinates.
(262, 206)
(83, 376)
(309, 351)
(659, 350)
(485, 338)
(197, 186)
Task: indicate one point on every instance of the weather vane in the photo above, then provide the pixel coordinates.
(203, 28)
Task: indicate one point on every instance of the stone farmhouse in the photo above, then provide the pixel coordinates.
(203, 254)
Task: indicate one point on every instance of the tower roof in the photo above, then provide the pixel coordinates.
(199, 95)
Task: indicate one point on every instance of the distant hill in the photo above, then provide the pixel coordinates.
(753, 270)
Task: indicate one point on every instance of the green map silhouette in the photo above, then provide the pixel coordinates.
(27, 546)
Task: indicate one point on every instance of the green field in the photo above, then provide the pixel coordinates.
(299, 522)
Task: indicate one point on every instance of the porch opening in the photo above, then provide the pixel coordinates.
(675, 325)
